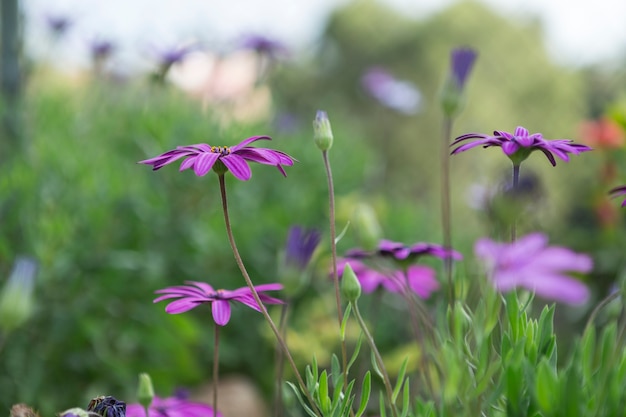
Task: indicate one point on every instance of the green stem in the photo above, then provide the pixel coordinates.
(514, 193)
(333, 251)
(612, 296)
(256, 297)
(446, 222)
(280, 363)
(379, 359)
(216, 367)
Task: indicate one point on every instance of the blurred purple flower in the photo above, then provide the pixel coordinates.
(101, 49)
(619, 191)
(461, 63)
(197, 293)
(58, 24)
(400, 252)
(301, 244)
(402, 96)
(264, 46)
(170, 56)
(531, 264)
(418, 278)
(518, 145)
(171, 407)
(203, 157)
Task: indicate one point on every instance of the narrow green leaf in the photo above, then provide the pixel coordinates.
(547, 387)
(400, 380)
(343, 232)
(335, 369)
(365, 394)
(355, 354)
(406, 399)
(323, 393)
(375, 366)
(381, 404)
(344, 322)
(301, 400)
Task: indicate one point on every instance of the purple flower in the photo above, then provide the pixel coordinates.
(197, 293)
(461, 63)
(517, 146)
(531, 264)
(402, 96)
(618, 191)
(400, 252)
(57, 24)
(264, 46)
(203, 157)
(171, 407)
(107, 406)
(301, 244)
(170, 56)
(418, 278)
(101, 49)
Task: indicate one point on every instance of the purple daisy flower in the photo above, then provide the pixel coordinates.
(518, 145)
(418, 278)
(264, 46)
(461, 63)
(197, 293)
(301, 244)
(401, 252)
(531, 264)
(619, 191)
(171, 407)
(203, 157)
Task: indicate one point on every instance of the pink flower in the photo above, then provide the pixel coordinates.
(529, 263)
(171, 407)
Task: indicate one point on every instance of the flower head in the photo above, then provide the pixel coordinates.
(531, 264)
(401, 252)
(518, 145)
(171, 407)
(197, 293)
(619, 191)
(58, 24)
(398, 95)
(101, 49)
(264, 46)
(203, 157)
(461, 63)
(419, 279)
(107, 406)
(301, 244)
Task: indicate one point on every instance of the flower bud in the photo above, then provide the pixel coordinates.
(350, 285)
(145, 392)
(322, 132)
(16, 299)
(452, 98)
(367, 226)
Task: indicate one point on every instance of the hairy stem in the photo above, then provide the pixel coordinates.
(280, 363)
(446, 222)
(256, 297)
(216, 367)
(515, 190)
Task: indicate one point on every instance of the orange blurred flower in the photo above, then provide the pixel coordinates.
(602, 133)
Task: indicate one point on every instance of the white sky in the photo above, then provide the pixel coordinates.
(578, 31)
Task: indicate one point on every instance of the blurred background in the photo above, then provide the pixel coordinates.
(90, 87)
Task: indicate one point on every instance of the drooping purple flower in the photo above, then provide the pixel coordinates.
(401, 252)
(196, 293)
(619, 191)
(419, 279)
(529, 263)
(518, 145)
(461, 63)
(398, 95)
(263, 45)
(301, 244)
(171, 407)
(203, 157)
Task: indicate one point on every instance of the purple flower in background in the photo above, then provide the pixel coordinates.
(264, 46)
(170, 56)
(402, 96)
(461, 63)
(531, 264)
(419, 279)
(619, 191)
(203, 157)
(301, 244)
(58, 24)
(171, 407)
(401, 252)
(197, 293)
(518, 145)
(101, 49)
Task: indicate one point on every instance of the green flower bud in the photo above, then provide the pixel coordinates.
(367, 226)
(16, 299)
(145, 392)
(322, 132)
(350, 285)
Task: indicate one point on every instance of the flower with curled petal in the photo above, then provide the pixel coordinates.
(619, 191)
(530, 263)
(401, 252)
(518, 145)
(196, 293)
(202, 158)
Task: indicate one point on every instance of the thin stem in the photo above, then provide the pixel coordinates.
(446, 222)
(280, 363)
(514, 193)
(379, 359)
(216, 367)
(612, 296)
(333, 251)
(255, 295)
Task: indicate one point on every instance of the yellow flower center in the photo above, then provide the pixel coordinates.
(224, 150)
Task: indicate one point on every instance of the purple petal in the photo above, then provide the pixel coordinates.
(559, 288)
(208, 290)
(204, 163)
(182, 305)
(238, 166)
(510, 148)
(248, 141)
(422, 280)
(221, 312)
(520, 132)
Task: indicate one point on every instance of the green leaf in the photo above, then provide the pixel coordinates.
(355, 354)
(365, 393)
(301, 400)
(547, 387)
(400, 380)
(335, 369)
(344, 322)
(406, 399)
(342, 234)
(381, 404)
(375, 366)
(323, 393)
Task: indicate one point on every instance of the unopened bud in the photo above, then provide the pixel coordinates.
(367, 226)
(350, 285)
(322, 132)
(145, 392)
